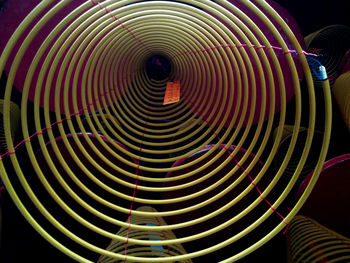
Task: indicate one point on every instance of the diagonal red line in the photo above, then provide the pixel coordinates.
(245, 45)
(121, 24)
(251, 179)
(51, 126)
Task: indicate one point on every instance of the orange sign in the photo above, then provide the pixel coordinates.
(172, 92)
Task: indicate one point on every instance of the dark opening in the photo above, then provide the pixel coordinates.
(158, 67)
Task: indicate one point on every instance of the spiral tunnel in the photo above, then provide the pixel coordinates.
(100, 160)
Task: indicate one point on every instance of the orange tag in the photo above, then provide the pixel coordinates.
(172, 92)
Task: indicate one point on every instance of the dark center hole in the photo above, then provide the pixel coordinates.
(158, 67)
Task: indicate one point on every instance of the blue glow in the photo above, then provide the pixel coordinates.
(155, 239)
(317, 68)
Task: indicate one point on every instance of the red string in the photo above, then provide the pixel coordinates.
(251, 179)
(122, 24)
(57, 122)
(138, 165)
(134, 194)
(245, 45)
(2, 188)
(49, 128)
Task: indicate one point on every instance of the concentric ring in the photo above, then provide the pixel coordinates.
(101, 143)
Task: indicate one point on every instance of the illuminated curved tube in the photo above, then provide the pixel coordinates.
(308, 241)
(342, 96)
(311, 162)
(95, 61)
(151, 251)
(15, 113)
(331, 43)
